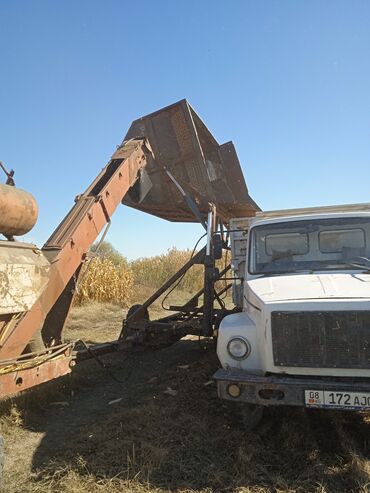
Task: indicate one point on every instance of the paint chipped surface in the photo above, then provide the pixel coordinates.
(24, 273)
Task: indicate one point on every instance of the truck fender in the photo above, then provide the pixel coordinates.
(239, 325)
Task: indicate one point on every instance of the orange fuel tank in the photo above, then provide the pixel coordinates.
(18, 211)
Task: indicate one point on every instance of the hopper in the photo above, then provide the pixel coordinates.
(208, 171)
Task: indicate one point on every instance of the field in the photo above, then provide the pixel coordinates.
(153, 423)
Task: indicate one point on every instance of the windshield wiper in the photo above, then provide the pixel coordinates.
(276, 273)
(364, 267)
(359, 263)
(337, 265)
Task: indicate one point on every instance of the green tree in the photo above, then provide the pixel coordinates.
(107, 250)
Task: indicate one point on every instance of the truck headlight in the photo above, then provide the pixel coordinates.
(238, 348)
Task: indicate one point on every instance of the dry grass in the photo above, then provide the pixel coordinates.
(101, 322)
(95, 322)
(66, 437)
(89, 433)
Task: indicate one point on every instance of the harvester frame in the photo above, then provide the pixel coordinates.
(169, 165)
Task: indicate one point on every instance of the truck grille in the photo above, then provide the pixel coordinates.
(321, 339)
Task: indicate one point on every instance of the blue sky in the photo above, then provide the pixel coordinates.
(287, 81)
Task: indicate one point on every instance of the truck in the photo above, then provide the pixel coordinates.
(302, 335)
(297, 332)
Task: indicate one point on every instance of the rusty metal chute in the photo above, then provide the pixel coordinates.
(173, 140)
(209, 172)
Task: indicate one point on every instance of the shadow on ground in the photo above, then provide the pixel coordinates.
(161, 425)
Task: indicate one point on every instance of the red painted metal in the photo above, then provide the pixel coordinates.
(183, 145)
(208, 171)
(68, 245)
(18, 380)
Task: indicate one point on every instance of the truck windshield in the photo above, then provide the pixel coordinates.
(319, 244)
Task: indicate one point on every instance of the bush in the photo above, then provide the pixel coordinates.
(107, 251)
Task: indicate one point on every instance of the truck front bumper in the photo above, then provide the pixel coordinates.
(276, 390)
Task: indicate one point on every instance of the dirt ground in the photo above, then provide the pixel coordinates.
(157, 425)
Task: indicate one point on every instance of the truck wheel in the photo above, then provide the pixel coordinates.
(2, 459)
(252, 415)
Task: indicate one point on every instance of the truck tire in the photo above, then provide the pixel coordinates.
(251, 415)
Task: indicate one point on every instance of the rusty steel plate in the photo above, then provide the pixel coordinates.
(209, 172)
(13, 382)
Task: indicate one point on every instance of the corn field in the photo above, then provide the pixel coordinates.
(154, 271)
(111, 278)
(104, 281)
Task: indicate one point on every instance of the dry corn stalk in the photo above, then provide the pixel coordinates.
(105, 282)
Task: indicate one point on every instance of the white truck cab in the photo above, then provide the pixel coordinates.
(302, 336)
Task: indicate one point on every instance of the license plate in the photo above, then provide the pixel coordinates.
(337, 399)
